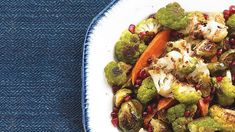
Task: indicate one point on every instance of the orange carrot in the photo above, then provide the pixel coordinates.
(203, 107)
(165, 103)
(154, 49)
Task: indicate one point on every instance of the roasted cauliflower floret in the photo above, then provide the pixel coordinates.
(175, 112)
(204, 124)
(185, 93)
(129, 48)
(224, 117)
(147, 91)
(116, 73)
(148, 25)
(162, 82)
(172, 16)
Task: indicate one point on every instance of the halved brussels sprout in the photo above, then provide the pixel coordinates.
(130, 116)
(206, 48)
(159, 126)
(120, 96)
(227, 57)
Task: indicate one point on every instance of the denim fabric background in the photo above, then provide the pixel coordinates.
(40, 63)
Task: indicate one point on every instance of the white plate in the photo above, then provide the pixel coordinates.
(101, 36)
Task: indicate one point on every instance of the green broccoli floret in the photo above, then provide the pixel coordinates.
(231, 22)
(116, 73)
(175, 112)
(187, 65)
(129, 48)
(224, 100)
(146, 91)
(185, 93)
(226, 86)
(172, 16)
(148, 25)
(224, 117)
(204, 124)
(180, 124)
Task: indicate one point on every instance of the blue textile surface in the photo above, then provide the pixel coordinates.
(40, 63)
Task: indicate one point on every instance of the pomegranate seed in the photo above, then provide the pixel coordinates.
(232, 63)
(226, 41)
(180, 35)
(219, 52)
(145, 114)
(138, 82)
(212, 90)
(115, 109)
(149, 109)
(174, 34)
(127, 98)
(143, 74)
(132, 28)
(232, 41)
(232, 9)
(198, 87)
(187, 113)
(226, 14)
(146, 126)
(115, 122)
(205, 16)
(114, 115)
(149, 61)
(150, 128)
(219, 79)
(142, 34)
(115, 88)
(207, 99)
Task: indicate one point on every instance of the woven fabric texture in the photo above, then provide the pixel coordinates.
(41, 45)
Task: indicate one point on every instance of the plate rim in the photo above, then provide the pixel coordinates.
(93, 23)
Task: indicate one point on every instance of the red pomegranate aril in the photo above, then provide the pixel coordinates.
(226, 14)
(207, 99)
(232, 9)
(149, 61)
(114, 115)
(197, 87)
(150, 128)
(233, 63)
(115, 109)
(138, 82)
(174, 34)
(219, 78)
(205, 16)
(180, 35)
(115, 88)
(115, 122)
(145, 114)
(127, 98)
(143, 74)
(212, 90)
(219, 52)
(132, 28)
(142, 35)
(226, 40)
(149, 109)
(232, 41)
(187, 113)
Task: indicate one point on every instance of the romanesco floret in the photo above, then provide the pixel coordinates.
(180, 124)
(146, 91)
(187, 65)
(226, 86)
(224, 100)
(204, 124)
(129, 48)
(175, 112)
(172, 16)
(224, 117)
(231, 22)
(185, 93)
(116, 73)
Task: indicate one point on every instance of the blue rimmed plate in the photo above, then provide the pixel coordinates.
(101, 36)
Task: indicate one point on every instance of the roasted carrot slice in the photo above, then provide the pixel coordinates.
(154, 49)
(165, 103)
(203, 107)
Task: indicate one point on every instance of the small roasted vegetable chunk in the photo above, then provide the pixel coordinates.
(216, 67)
(120, 96)
(185, 93)
(172, 16)
(187, 64)
(147, 91)
(180, 124)
(116, 73)
(159, 126)
(130, 116)
(224, 100)
(129, 48)
(204, 124)
(224, 117)
(175, 112)
(206, 48)
(231, 22)
(225, 86)
(192, 109)
(148, 25)
(227, 57)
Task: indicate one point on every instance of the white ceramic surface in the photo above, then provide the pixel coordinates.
(100, 42)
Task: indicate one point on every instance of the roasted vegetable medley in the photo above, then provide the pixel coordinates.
(175, 71)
